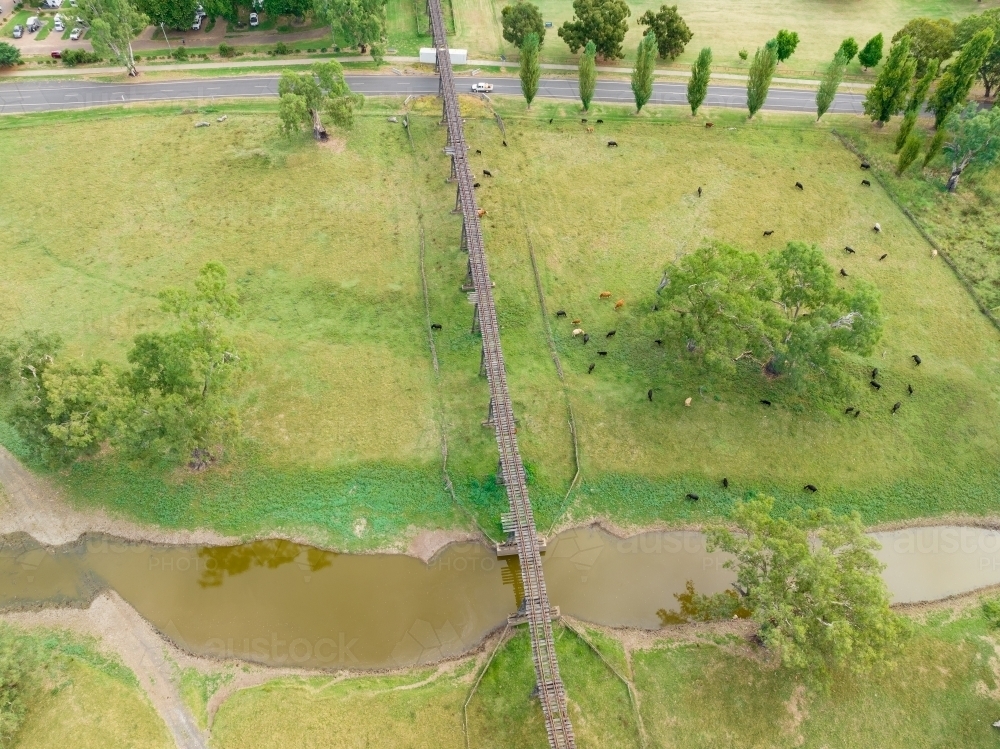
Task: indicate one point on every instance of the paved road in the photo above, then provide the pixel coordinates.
(36, 96)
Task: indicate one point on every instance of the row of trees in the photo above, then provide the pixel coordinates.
(171, 403)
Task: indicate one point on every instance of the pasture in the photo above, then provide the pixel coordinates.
(342, 412)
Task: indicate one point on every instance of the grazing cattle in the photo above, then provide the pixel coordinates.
(866, 183)
(849, 410)
(605, 295)
(550, 120)
(687, 402)
(476, 184)
(583, 120)
(487, 173)
(590, 129)
(619, 304)
(709, 124)
(586, 338)
(481, 212)
(810, 488)
(611, 334)
(693, 497)
(865, 165)
(857, 413)
(504, 144)
(769, 232)
(561, 313)
(435, 326)
(877, 228)
(577, 331)
(875, 373)
(658, 341)
(765, 402)
(478, 152)
(649, 394)
(875, 385)
(883, 257)
(612, 144)
(799, 185)
(602, 353)
(699, 192)
(896, 406)
(849, 250)
(600, 122)
(576, 321)
(933, 253)
(591, 368)
(725, 483)
(843, 273)
(916, 359)
(909, 389)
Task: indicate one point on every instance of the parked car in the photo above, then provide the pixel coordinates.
(53, 3)
(75, 34)
(33, 24)
(57, 23)
(197, 23)
(56, 54)
(18, 32)
(254, 19)
(482, 88)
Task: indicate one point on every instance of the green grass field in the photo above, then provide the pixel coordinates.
(342, 411)
(940, 692)
(721, 26)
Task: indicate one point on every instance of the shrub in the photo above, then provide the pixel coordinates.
(323, 50)
(282, 49)
(180, 53)
(991, 611)
(744, 54)
(908, 153)
(74, 57)
(226, 50)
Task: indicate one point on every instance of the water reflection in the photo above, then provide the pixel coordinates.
(220, 561)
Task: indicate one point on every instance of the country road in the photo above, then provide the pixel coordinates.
(24, 96)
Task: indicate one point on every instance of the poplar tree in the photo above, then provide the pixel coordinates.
(642, 73)
(958, 78)
(588, 74)
(908, 153)
(765, 60)
(530, 70)
(888, 94)
(831, 82)
(701, 71)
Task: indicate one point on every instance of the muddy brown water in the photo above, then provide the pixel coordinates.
(280, 603)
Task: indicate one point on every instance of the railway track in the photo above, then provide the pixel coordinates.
(520, 521)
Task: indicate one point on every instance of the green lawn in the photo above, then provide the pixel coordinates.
(720, 25)
(342, 411)
(713, 692)
(18, 19)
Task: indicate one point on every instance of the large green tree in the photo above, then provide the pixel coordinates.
(785, 313)
(530, 70)
(957, 80)
(787, 41)
(701, 72)
(113, 26)
(989, 70)
(519, 20)
(603, 22)
(305, 97)
(850, 48)
(973, 140)
(361, 22)
(9, 55)
(830, 83)
(642, 73)
(887, 96)
(813, 585)
(921, 89)
(871, 55)
(672, 34)
(174, 14)
(930, 39)
(588, 74)
(762, 67)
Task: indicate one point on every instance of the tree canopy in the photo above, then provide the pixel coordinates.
(174, 14)
(784, 312)
(930, 39)
(672, 34)
(887, 96)
(830, 83)
(588, 74)
(113, 26)
(362, 22)
(989, 70)
(813, 586)
(762, 67)
(642, 73)
(973, 140)
(871, 55)
(850, 48)
(530, 70)
(787, 41)
(957, 80)
(701, 72)
(603, 22)
(304, 97)
(519, 20)
(9, 55)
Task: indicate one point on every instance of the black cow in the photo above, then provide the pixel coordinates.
(612, 144)
(799, 185)
(769, 232)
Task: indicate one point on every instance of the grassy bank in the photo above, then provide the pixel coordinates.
(709, 692)
(342, 411)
